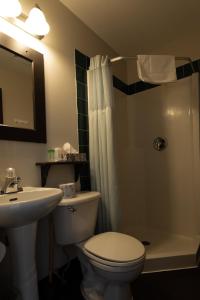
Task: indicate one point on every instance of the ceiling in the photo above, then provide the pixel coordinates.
(131, 27)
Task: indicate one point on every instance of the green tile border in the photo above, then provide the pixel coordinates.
(82, 64)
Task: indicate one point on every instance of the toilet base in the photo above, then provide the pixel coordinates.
(112, 291)
(117, 291)
(92, 286)
(90, 294)
(97, 286)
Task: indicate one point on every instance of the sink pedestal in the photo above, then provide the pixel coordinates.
(19, 213)
(22, 245)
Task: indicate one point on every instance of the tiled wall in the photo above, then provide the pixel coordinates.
(82, 64)
(140, 86)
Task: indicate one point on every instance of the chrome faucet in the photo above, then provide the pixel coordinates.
(12, 183)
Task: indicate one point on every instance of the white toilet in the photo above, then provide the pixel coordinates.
(110, 261)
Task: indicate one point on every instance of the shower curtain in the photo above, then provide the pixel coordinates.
(101, 143)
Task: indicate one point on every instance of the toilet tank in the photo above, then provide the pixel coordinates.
(75, 218)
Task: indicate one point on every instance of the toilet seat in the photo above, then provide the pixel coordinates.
(109, 265)
(114, 249)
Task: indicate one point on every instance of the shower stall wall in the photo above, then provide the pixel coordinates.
(159, 190)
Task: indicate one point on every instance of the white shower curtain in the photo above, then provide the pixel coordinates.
(101, 143)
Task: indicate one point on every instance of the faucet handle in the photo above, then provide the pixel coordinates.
(10, 173)
(19, 184)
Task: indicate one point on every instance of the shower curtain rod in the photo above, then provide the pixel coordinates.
(114, 59)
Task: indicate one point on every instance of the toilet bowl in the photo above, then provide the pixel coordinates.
(109, 261)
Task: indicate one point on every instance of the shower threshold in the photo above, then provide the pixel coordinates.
(166, 252)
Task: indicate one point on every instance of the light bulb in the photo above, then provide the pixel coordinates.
(10, 8)
(36, 22)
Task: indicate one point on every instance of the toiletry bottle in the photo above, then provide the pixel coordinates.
(51, 154)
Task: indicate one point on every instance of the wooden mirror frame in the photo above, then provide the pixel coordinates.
(38, 134)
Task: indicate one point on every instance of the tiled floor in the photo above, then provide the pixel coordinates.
(173, 285)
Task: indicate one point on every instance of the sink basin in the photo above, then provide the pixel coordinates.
(18, 209)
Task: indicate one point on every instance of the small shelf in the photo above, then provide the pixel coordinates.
(45, 167)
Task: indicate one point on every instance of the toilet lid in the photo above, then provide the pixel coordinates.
(114, 246)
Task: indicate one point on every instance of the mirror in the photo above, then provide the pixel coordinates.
(22, 96)
(16, 84)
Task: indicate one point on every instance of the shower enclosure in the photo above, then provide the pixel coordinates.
(159, 190)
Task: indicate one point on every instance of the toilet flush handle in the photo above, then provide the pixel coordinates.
(71, 209)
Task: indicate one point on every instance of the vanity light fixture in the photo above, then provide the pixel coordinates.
(10, 8)
(35, 23)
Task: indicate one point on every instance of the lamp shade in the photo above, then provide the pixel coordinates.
(10, 8)
(36, 22)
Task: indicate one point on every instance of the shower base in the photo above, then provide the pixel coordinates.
(167, 251)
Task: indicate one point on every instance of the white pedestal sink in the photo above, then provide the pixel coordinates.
(19, 213)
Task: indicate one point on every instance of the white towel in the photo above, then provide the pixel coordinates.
(156, 69)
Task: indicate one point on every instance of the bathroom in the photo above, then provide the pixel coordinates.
(136, 124)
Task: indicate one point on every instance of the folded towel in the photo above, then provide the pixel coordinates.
(156, 69)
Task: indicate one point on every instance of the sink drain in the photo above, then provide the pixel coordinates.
(13, 199)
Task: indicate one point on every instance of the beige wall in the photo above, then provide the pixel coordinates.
(67, 33)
